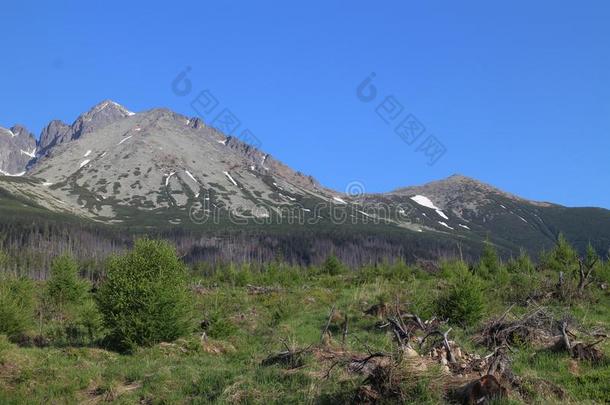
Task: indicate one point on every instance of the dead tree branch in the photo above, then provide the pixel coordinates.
(450, 356)
(330, 317)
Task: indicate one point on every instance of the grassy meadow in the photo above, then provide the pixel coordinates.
(55, 346)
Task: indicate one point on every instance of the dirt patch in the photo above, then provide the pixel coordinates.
(98, 395)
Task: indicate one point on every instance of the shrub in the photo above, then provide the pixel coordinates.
(16, 306)
(462, 303)
(332, 266)
(604, 272)
(65, 288)
(145, 298)
(80, 326)
(563, 257)
(235, 277)
(522, 264)
(489, 264)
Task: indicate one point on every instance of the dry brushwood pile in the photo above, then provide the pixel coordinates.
(424, 349)
(462, 376)
(540, 328)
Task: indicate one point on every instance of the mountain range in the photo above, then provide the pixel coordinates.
(159, 170)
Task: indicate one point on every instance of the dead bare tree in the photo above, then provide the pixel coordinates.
(585, 269)
(345, 330)
(579, 350)
(330, 317)
(565, 339)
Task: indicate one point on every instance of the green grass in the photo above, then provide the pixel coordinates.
(244, 328)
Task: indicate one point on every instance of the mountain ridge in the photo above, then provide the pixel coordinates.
(159, 168)
(79, 127)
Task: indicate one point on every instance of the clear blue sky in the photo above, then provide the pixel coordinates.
(518, 92)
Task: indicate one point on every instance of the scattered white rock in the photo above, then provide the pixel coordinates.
(87, 153)
(85, 163)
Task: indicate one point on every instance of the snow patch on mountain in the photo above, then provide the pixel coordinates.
(123, 140)
(2, 172)
(8, 132)
(263, 162)
(426, 202)
(230, 178)
(169, 176)
(445, 225)
(191, 176)
(31, 154)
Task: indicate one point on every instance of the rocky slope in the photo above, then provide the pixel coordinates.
(159, 168)
(17, 149)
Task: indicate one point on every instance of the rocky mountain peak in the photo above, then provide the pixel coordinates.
(20, 130)
(17, 149)
(99, 116)
(108, 107)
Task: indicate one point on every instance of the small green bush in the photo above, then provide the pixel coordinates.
(522, 264)
(82, 326)
(489, 263)
(16, 305)
(145, 298)
(462, 302)
(64, 287)
(562, 258)
(604, 272)
(332, 266)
